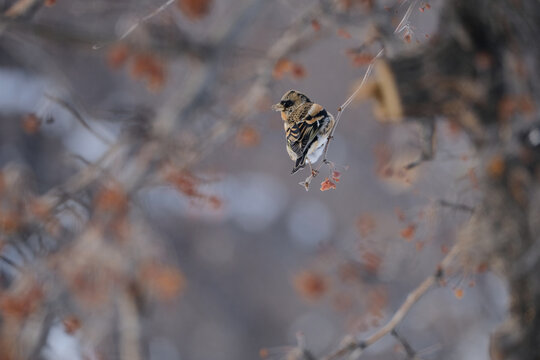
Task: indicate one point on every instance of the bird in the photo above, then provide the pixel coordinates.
(308, 127)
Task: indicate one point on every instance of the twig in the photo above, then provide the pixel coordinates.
(408, 348)
(9, 262)
(77, 115)
(302, 353)
(17, 246)
(349, 344)
(23, 8)
(428, 350)
(46, 327)
(350, 99)
(402, 24)
(313, 174)
(426, 143)
(456, 206)
(81, 179)
(130, 328)
(136, 24)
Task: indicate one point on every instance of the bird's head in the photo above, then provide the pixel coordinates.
(290, 101)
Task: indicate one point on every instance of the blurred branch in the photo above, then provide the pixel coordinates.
(455, 206)
(46, 325)
(163, 40)
(350, 345)
(129, 328)
(77, 115)
(9, 262)
(427, 139)
(81, 179)
(23, 9)
(199, 91)
(139, 22)
(411, 354)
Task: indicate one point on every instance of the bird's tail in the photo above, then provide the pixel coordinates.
(300, 163)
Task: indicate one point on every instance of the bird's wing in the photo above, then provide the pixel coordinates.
(307, 122)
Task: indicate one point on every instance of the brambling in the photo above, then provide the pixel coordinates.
(307, 128)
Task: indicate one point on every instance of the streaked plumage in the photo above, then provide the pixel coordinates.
(307, 127)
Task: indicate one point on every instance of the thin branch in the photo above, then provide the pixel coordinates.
(399, 315)
(428, 350)
(302, 353)
(17, 246)
(351, 98)
(23, 8)
(130, 327)
(456, 206)
(366, 75)
(403, 23)
(313, 174)
(81, 179)
(426, 143)
(9, 262)
(411, 353)
(46, 327)
(77, 115)
(350, 344)
(137, 24)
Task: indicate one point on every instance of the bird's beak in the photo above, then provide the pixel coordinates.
(277, 107)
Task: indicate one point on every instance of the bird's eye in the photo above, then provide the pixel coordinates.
(286, 103)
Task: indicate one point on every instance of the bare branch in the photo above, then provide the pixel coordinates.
(23, 9)
(411, 354)
(350, 345)
(77, 115)
(9, 262)
(136, 25)
(130, 328)
(426, 143)
(455, 206)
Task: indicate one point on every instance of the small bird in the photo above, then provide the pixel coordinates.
(307, 128)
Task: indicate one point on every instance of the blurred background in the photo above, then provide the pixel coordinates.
(258, 259)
